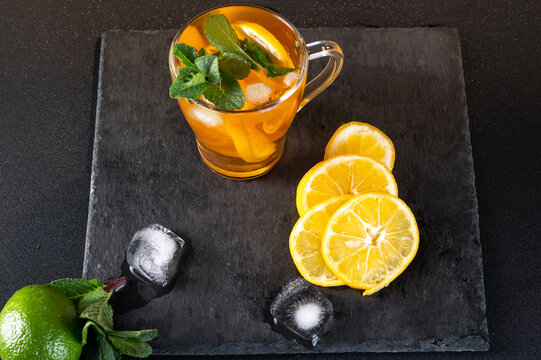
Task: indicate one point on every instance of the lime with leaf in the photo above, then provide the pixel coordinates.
(64, 319)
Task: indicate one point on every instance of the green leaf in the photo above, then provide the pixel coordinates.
(221, 35)
(228, 95)
(145, 335)
(190, 84)
(235, 64)
(262, 58)
(186, 54)
(131, 346)
(99, 348)
(208, 65)
(89, 324)
(94, 306)
(202, 52)
(75, 289)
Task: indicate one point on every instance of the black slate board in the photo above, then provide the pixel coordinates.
(146, 169)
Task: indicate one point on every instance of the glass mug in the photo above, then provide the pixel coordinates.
(245, 144)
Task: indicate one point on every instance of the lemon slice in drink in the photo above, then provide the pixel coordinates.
(343, 175)
(361, 139)
(305, 242)
(370, 240)
(265, 39)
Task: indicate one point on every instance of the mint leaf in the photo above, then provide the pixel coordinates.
(221, 35)
(228, 95)
(94, 306)
(235, 64)
(186, 54)
(89, 324)
(208, 65)
(262, 58)
(190, 84)
(98, 347)
(145, 335)
(75, 289)
(131, 346)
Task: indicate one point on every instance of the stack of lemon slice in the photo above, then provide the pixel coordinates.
(353, 228)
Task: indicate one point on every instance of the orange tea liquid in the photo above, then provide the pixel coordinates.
(248, 142)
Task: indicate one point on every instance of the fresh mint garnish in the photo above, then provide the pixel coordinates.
(208, 65)
(234, 64)
(76, 289)
(215, 75)
(271, 70)
(186, 54)
(220, 34)
(95, 306)
(190, 84)
(131, 346)
(228, 95)
(99, 339)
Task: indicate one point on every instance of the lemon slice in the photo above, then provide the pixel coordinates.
(251, 144)
(370, 240)
(265, 39)
(342, 175)
(361, 139)
(305, 242)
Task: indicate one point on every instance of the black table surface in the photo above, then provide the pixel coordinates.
(48, 82)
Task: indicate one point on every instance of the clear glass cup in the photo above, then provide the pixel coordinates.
(245, 144)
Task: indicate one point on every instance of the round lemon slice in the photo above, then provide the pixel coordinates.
(362, 139)
(305, 242)
(370, 240)
(343, 175)
(265, 39)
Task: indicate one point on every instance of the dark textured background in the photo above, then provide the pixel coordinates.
(48, 80)
(146, 169)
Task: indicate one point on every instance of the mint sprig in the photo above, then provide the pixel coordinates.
(215, 75)
(99, 339)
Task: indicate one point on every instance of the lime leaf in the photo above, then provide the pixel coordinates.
(75, 289)
(131, 346)
(190, 83)
(94, 306)
(235, 64)
(208, 65)
(145, 335)
(98, 347)
(221, 35)
(228, 95)
(186, 54)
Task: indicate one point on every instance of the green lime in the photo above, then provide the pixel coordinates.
(39, 322)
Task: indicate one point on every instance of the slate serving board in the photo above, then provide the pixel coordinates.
(146, 169)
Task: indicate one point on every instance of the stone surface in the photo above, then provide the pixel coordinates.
(146, 169)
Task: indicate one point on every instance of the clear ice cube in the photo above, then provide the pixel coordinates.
(291, 78)
(154, 255)
(206, 117)
(302, 310)
(258, 93)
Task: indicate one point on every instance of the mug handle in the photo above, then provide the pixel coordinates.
(330, 72)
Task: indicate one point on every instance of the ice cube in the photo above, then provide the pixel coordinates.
(291, 78)
(302, 310)
(154, 255)
(206, 117)
(258, 93)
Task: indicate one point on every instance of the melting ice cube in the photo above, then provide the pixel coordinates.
(291, 78)
(302, 310)
(154, 255)
(206, 117)
(258, 93)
